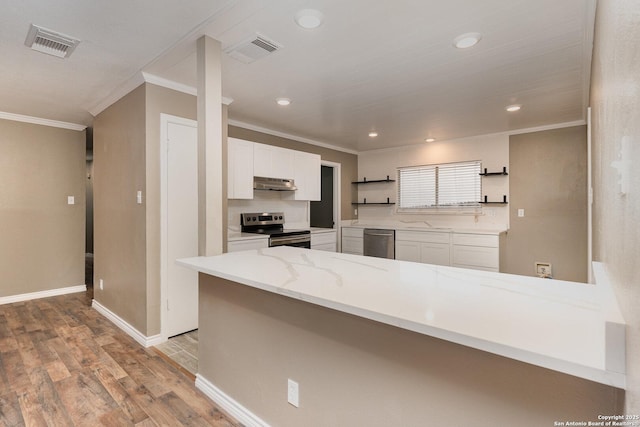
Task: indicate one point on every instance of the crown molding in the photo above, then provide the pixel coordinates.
(268, 131)
(171, 84)
(40, 121)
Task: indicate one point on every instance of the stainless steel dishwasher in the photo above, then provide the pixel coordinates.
(379, 243)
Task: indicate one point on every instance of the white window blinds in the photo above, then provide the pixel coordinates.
(451, 185)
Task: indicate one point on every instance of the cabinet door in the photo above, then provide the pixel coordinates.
(282, 163)
(476, 257)
(262, 160)
(352, 245)
(240, 169)
(408, 251)
(307, 176)
(435, 253)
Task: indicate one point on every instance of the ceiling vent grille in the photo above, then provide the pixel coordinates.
(253, 49)
(49, 42)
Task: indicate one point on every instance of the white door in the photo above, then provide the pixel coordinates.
(182, 227)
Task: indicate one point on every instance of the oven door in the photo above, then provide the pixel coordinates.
(298, 241)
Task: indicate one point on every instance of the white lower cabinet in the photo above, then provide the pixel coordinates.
(245, 245)
(352, 240)
(477, 251)
(466, 250)
(324, 241)
(423, 246)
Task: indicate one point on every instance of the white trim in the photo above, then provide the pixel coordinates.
(228, 404)
(142, 339)
(289, 136)
(119, 92)
(590, 277)
(180, 87)
(337, 198)
(165, 119)
(42, 294)
(508, 133)
(40, 121)
(169, 84)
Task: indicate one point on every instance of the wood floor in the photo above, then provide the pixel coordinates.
(63, 364)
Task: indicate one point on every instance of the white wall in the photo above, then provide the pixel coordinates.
(492, 150)
(615, 102)
(296, 212)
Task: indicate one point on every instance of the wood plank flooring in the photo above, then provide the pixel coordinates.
(64, 364)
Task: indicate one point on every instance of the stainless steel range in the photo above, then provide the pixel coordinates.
(272, 223)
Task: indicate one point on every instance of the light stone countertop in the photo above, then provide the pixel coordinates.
(417, 228)
(569, 327)
(319, 230)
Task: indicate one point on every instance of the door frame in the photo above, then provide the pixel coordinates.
(337, 197)
(165, 119)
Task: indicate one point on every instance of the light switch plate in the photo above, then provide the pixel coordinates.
(520, 213)
(71, 200)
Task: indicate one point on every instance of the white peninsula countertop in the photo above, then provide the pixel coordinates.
(568, 327)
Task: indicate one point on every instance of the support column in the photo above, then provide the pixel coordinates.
(210, 148)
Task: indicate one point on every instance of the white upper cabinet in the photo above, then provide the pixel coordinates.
(247, 159)
(240, 169)
(307, 176)
(273, 162)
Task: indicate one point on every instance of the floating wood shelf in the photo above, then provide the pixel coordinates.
(502, 202)
(373, 181)
(370, 203)
(504, 172)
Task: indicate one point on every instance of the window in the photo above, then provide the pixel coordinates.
(444, 186)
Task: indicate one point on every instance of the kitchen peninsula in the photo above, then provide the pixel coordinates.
(383, 342)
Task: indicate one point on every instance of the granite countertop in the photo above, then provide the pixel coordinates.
(569, 327)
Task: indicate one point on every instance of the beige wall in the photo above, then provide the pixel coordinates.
(120, 239)
(348, 161)
(158, 100)
(491, 150)
(615, 102)
(548, 179)
(352, 371)
(42, 237)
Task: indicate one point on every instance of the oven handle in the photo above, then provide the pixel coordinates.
(279, 241)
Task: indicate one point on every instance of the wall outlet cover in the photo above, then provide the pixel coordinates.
(292, 393)
(543, 269)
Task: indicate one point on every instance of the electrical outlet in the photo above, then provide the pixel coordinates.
(543, 269)
(490, 212)
(71, 200)
(355, 212)
(101, 285)
(521, 213)
(292, 392)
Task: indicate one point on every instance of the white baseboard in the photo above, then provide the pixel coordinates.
(142, 339)
(229, 405)
(42, 294)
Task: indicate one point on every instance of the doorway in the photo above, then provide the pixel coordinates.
(179, 224)
(322, 211)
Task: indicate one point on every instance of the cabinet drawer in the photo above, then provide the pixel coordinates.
(323, 238)
(329, 247)
(423, 236)
(352, 232)
(352, 245)
(476, 257)
(485, 240)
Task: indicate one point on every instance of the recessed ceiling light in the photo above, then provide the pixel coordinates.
(309, 18)
(464, 41)
(283, 101)
(373, 134)
(514, 107)
(429, 140)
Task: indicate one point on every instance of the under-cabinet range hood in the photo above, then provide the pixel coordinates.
(275, 184)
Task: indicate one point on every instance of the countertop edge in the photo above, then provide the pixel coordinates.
(604, 376)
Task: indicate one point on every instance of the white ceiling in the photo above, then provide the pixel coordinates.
(373, 65)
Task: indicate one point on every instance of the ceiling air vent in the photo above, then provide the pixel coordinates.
(49, 42)
(255, 48)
